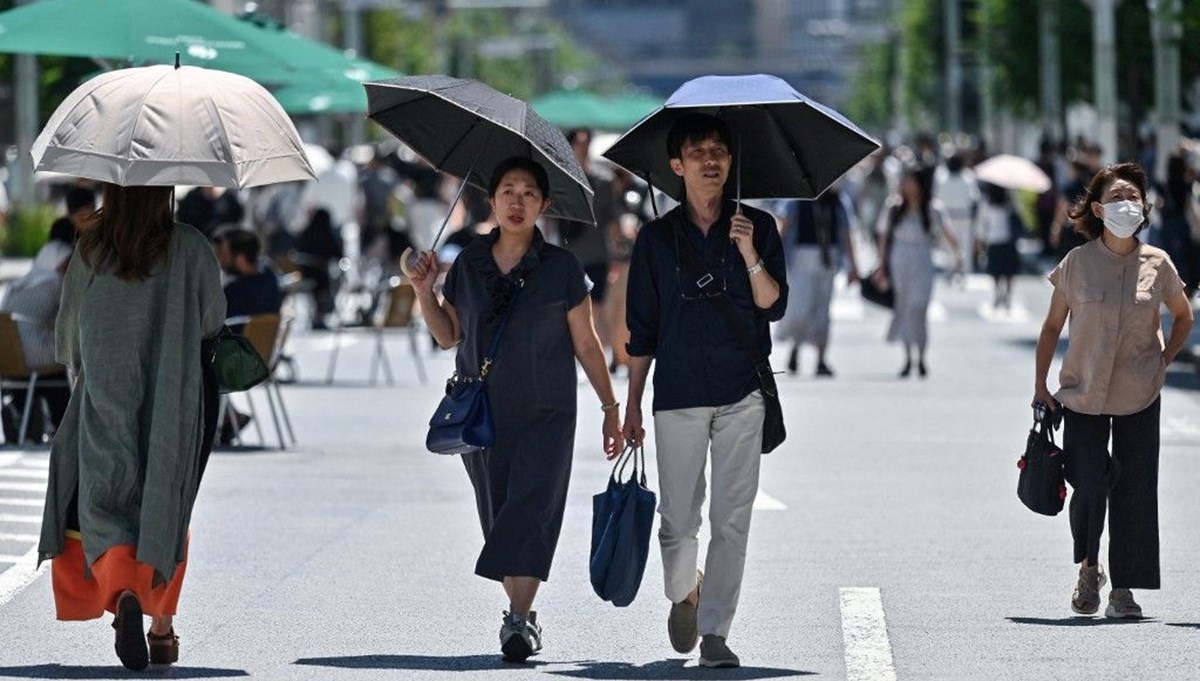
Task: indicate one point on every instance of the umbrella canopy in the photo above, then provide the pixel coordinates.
(1013, 172)
(794, 147)
(138, 31)
(465, 128)
(163, 125)
(584, 109)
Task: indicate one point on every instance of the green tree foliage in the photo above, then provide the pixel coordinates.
(522, 58)
(1006, 32)
(870, 102)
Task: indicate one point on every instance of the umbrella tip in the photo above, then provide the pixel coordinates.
(177, 60)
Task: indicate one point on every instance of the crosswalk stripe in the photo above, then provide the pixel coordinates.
(766, 502)
(40, 462)
(864, 634)
(9, 536)
(23, 486)
(21, 501)
(11, 559)
(42, 474)
(19, 576)
(10, 458)
(14, 518)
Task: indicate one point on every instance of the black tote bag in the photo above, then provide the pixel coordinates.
(1042, 484)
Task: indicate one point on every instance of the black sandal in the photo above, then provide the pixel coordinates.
(131, 640)
(163, 649)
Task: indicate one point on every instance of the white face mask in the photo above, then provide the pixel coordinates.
(1123, 218)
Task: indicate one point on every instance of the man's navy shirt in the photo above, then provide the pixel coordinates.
(253, 294)
(698, 362)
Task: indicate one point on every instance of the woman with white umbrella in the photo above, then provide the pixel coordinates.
(140, 295)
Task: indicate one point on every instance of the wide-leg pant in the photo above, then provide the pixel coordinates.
(684, 438)
(1126, 485)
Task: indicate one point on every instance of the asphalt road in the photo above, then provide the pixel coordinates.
(888, 542)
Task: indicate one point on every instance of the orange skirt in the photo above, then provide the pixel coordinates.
(78, 597)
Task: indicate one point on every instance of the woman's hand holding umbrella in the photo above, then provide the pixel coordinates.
(424, 273)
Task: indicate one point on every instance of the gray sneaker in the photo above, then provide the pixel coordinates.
(1086, 599)
(681, 623)
(714, 653)
(1122, 606)
(520, 637)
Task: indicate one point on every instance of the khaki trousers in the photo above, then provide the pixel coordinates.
(684, 438)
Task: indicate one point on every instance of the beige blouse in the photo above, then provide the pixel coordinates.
(1114, 362)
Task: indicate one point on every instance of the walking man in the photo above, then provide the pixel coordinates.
(706, 394)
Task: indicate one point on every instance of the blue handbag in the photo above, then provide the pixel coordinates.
(462, 421)
(621, 520)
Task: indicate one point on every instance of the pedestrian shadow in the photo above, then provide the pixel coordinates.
(60, 671)
(672, 669)
(424, 663)
(1185, 625)
(1082, 621)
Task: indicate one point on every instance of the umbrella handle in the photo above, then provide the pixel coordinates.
(404, 258)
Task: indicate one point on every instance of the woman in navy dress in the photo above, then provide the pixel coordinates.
(521, 482)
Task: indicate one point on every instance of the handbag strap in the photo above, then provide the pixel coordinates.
(631, 453)
(691, 262)
(490, 357)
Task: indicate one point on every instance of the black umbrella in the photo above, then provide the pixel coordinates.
(794, 147)
(465, 128)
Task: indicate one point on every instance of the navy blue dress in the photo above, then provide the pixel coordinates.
(521, 482)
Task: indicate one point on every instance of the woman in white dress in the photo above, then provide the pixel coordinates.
(910, 225)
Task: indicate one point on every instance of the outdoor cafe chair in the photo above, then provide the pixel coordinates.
(15, 375)
(399, 313)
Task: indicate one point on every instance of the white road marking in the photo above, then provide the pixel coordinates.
(16, 578)
(14, 518)
(39, 462)
(42, 474)
(847, 309)
(1175, 427)
(937, 312)
(864, 634)
(766, 502)
(22, 501)
(9, 536)
(23, 486)
(1017, 314)
(10, 458)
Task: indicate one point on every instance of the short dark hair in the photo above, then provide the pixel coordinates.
(80, 197)
(243, 242)
(1084, 220)
(696, 127)
(520, 163)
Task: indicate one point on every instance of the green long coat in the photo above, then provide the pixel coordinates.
(131, 437)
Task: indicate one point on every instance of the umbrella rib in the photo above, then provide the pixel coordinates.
(454, 147)
(138, 119)
(792, 146)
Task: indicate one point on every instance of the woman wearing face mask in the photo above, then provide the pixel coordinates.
(1112, 287)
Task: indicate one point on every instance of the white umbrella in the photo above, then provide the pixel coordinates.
(165, 126)
(1013, 172)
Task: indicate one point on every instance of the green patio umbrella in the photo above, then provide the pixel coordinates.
(138, 32)
(570, 108)
(585, 109)
(325, 97)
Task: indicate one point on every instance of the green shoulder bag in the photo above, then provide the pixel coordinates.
(235, 363)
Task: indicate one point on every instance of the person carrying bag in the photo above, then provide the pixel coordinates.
(462, 421)
(622, 517)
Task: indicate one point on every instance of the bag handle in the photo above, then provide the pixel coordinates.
(1048, 420)
(630, 453)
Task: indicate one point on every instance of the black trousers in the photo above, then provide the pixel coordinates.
(1125, 485)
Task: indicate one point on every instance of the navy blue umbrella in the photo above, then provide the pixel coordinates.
(787, 145)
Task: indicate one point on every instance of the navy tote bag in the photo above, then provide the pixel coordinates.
(621, 520)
